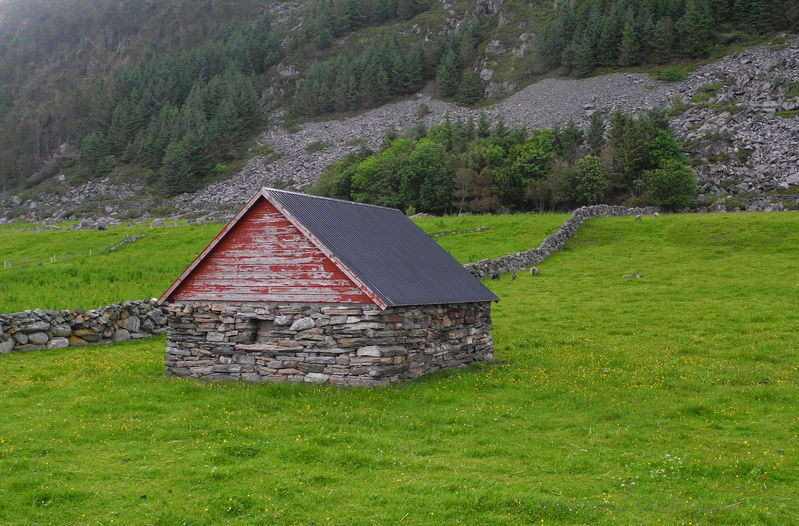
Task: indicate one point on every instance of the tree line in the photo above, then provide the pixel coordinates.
(327, 20)
(621, 33)
(474, 166)
(385, 68)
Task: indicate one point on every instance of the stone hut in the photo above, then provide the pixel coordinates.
(298, 288)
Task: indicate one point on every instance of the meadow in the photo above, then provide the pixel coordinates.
(670, 398)
(71, 269)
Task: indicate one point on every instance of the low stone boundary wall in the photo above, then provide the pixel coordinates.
(346, 344)
(54, 329)
(486, 268)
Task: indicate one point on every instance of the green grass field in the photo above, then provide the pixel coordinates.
(73, 269)
(666, 399)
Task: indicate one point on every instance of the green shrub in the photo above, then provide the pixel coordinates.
(671, 186)
(222, 169)
(588, 180)
(706, 92)
(316, 146)
(677, 106)
(671, 74)
(422, 111)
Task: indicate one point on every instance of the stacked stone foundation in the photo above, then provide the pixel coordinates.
(352, 344)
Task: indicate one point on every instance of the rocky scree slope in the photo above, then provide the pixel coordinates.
(743, 147)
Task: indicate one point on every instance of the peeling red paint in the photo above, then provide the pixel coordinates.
(339, 264)
(263, 257)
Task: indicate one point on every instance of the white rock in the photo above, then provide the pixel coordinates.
(58, 343)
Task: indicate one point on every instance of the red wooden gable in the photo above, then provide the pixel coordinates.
(261, 256)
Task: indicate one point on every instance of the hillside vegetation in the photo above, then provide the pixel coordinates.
(474, 167)
(172, 93)
(669, 398)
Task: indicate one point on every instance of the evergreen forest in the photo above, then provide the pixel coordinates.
(583, 36)
(174, 93)
(178, 113)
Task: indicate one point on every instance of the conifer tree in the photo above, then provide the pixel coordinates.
(660, 52)
(595, 136)
(160, 131)
(414, 65)
(552, 43)
(628, 47)
(693, 29)
(374, 81)
(483, 126)
(447, 74)
(568, 58)
(469, 90)
(608, 46)
(584, 56)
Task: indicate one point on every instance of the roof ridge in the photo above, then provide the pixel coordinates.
(269, 190)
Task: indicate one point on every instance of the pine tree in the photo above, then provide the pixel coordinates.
(341, 19)
(645, 29)
(693, 29)
(568, 58)
(340, 88)
(185, 163)
(608, 46)
(552, 43)
(406, 9)
(447, 74)
(93, 149)
(628, 47)
(584, 56)
(483, 126)
(374, 81)
(160, 131)
(660, 53)
(595, 136)
(414, 65)
(353, 86)
(469, 90)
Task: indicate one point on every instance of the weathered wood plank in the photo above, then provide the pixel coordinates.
(290, 281)
(265, 258)
(243, 297)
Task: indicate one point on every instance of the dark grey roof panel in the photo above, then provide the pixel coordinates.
(385, 250)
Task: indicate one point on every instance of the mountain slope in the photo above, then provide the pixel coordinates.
(741, 144)
(60, 71)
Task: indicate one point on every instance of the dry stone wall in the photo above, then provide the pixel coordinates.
(347, 344)
(486, 268)
(54, 329)
(38, 329)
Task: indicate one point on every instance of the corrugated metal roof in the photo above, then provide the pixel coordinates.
(393, 257)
